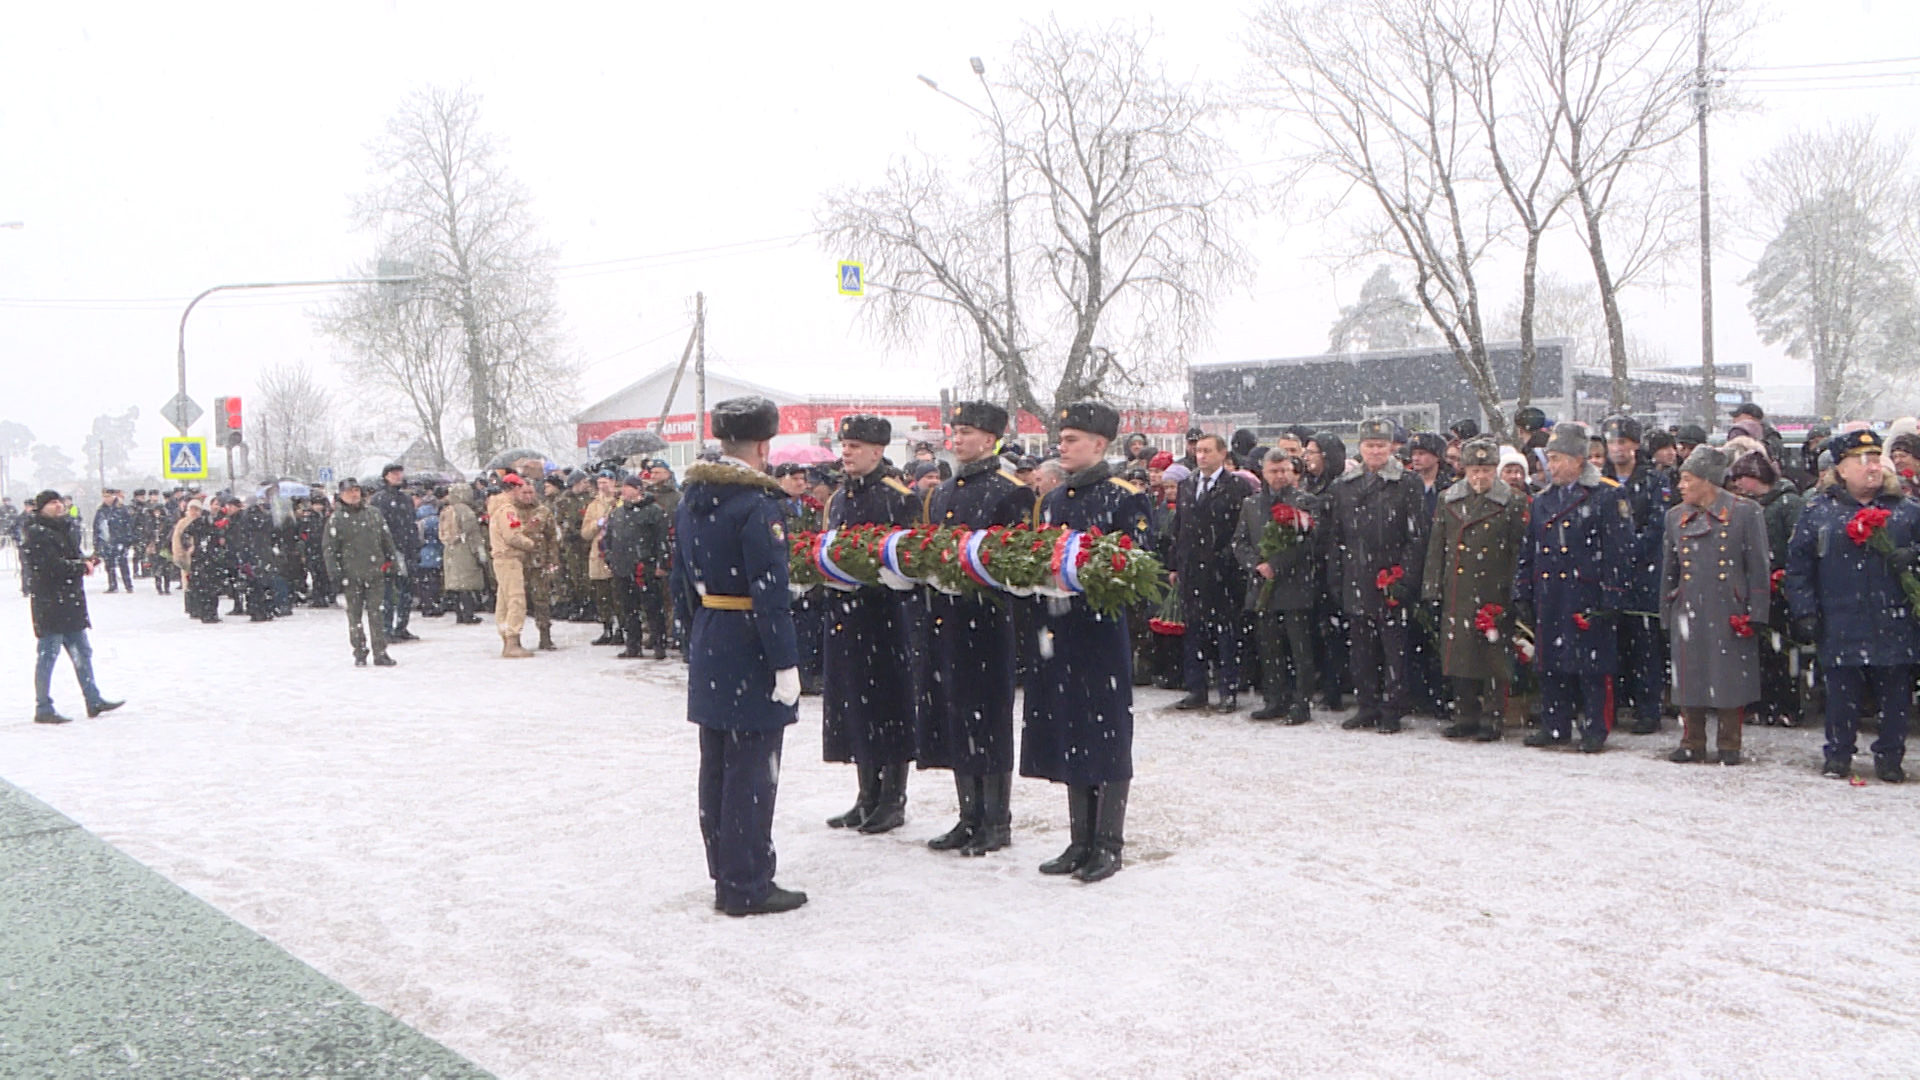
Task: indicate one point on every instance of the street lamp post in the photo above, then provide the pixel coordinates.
(1006, 197)
(262, 285)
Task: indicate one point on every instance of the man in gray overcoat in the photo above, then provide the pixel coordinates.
(1471, 555)
(1714, 602)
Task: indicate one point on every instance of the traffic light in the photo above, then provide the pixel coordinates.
(226, 422)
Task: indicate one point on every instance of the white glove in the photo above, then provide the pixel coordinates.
(786, 685)
(399, 566)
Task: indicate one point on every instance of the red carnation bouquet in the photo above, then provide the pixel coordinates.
(1287, 527)
(1385, 581)
(1170, 622)
(802, 572)
(1868, 528)
(1114, 575)
(1487, 621)
(1742, 625)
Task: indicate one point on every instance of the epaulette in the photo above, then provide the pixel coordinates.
(1013, 476)
(1125, 485)
(896, 485)
(1609, 481)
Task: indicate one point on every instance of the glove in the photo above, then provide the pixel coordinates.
(1806, 629)
(786, 685)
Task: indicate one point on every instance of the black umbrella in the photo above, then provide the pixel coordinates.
(631, 442)
(505, 458)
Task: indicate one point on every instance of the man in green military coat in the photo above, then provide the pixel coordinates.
(1476, 540)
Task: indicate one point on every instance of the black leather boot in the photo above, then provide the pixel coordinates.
(996, 815)
(890, 812)
(863, 805)
(606, 635)
(968, 789)
(1109, 833)
(1080, 806)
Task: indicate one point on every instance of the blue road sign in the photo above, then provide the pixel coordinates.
(326, 476)
(853, 279)
(183, 459)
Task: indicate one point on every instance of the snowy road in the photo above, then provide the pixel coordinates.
(504, 855)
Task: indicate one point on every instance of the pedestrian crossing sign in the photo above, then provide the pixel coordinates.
(853, 279)
(183, 459)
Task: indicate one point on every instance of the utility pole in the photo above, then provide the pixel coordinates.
(1702, 101)
(700, 372)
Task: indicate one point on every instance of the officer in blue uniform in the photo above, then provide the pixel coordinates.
(1846, 598)
(968, 726)
(1641, 653)
(742, 674)
(868, 699)
(1579, 540)
(1078, 724)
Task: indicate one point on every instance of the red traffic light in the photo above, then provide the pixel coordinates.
(228, 410)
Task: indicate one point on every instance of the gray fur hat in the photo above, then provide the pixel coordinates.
(1568, 438)
(1709, 463)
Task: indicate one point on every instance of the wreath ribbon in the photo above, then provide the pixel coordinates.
(970, 562)
(824, 562)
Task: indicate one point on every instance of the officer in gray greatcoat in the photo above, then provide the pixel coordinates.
(1714, 584)
(1471, 554)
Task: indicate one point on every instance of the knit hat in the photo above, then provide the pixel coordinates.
(41, 500)
(1709, 463)
(1750, 428)
(1754, 466)
(1510, 456)
(1177, 473)
(1568, 438)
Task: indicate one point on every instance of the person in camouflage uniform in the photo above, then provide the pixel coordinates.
(542, 567)
(568, 512)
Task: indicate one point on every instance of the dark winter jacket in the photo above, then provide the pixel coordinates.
(1864, 616)
(1335, 452)
(360, 547)
(1781, 506)
(1296, 571)
(396, 508)
(635, 536)
(56, 575)
(113, 528)
(1203, 528)
(1375, 521)
(732, 545)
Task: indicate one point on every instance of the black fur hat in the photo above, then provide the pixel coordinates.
(1092, 417)
(746, 419)
(867, 429)
(984, 415)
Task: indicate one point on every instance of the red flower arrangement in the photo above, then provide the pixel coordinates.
(1580, 620)
(1778, 577)
(1487, 621)
(1386, 579)
(1742, 625)
(1868, 528)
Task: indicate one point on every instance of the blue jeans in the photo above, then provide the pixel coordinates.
(82, 654)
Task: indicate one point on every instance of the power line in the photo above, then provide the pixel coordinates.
(1833, 64)
(1848, 77)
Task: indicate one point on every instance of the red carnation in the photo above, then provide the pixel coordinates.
(1582, 621)
(1742, 624)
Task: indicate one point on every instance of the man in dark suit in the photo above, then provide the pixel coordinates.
(1206, 512)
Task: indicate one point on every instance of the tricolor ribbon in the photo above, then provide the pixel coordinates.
(824, 562)
(970, 561)
(890, 553)
(1070, 562)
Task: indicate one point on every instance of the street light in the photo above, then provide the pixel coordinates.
(264, 285)
(1006, 186)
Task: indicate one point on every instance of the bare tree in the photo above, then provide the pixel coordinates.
(110, 444)
(404, 362)
(1383, 318)
(1832, 284)
(1381, 93)
(51, 465)
(1115, 241)
(293, 422)
(446, 206)
(15, 438)
(1620, 74)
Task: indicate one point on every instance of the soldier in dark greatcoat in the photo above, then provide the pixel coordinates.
(1567, 588)
(803, 514)
(1642, 654)
(1078, 724)
(1846, 597)
(968, 726)
(1374, 551)
(869, 703)
(1469, 565)
(742, 678)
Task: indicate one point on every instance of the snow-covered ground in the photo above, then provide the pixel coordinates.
(504, 854)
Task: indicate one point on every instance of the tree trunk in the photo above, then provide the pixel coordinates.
(1609, 304)
(479, 384)
(1529, 298)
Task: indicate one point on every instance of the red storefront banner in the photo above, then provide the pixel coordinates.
(824, 420)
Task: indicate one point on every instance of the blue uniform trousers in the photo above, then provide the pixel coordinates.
(1563, 692)
(739, 776)
(1846, 698)
(1642, 659)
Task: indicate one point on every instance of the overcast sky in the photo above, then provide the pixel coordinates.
(155, 150)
